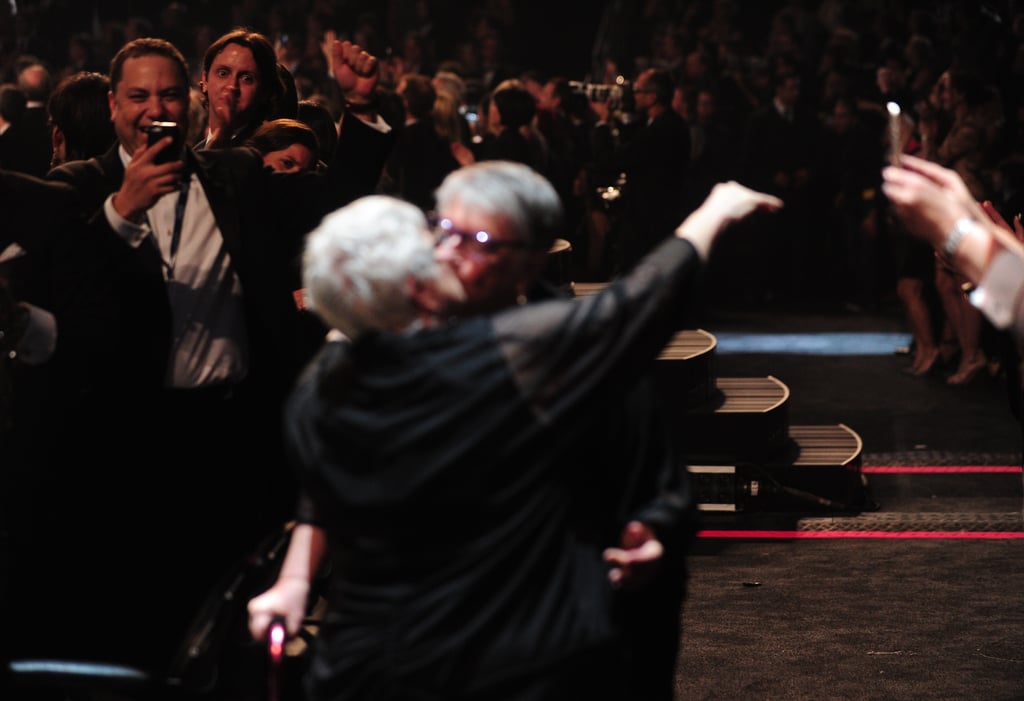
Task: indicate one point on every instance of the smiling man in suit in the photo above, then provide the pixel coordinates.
(200, 254)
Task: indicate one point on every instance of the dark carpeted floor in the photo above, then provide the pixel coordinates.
(878, 607)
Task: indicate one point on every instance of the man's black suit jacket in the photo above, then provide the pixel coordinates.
(263, 217)
(186, 481)
(28, 146)
(655, 159)
(420, 161)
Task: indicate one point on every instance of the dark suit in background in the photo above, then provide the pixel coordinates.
(655, 159)
(49, 262)
(28, 146)
(418, 164)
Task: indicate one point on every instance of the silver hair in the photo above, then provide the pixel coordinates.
(511, 190)
(452, 83)
(356, 263)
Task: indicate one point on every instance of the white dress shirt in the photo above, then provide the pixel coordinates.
(209, 342)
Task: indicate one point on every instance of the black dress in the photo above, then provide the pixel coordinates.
(442, 466)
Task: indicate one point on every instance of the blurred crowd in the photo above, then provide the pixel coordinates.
(786, 97)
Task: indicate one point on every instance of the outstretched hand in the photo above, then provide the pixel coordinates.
(638, 558)
(728, 202)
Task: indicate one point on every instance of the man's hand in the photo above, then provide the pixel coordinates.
(145, 182)
(355, 70)
(637, 561)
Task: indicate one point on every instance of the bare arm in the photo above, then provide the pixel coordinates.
(288, 597)
(727, 203)
(931, 200)
(935, 205)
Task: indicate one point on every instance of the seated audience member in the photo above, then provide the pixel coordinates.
(80, 118)
(287, 145)
(935, 204)
(460, 566)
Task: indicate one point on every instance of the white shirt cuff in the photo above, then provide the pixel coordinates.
(1001, 291)
(132, 233)
(39, 341)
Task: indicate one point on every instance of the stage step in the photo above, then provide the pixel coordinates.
(746, 418)
(585, 289)
(685, 371)
(820, 470)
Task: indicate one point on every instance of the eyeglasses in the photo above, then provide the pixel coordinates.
(476, 243)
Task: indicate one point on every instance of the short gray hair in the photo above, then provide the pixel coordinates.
(356, 263)
(512, 190)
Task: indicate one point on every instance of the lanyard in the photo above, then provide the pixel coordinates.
(179, 219)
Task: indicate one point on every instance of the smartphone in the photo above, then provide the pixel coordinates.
(895, 132)
(157, 131)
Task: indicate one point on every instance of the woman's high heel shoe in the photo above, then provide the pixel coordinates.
(967, 372)
(924, 363)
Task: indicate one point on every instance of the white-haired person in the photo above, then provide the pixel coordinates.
(435, 462)
(934, 204)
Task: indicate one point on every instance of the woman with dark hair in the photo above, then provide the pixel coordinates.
(287, 145)
(318, 117)
(510, 133)
(241, 86)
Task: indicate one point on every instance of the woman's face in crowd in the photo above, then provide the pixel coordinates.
(294, 159)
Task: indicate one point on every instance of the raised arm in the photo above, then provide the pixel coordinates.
(935, 205)
(728, 202)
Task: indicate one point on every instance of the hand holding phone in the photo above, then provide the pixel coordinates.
(157, 131)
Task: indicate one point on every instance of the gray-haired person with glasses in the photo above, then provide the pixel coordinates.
(439, 457)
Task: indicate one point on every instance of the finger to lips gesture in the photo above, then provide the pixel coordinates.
(225, 107)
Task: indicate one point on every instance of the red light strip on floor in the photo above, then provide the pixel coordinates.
(883, 535)
(941, 469)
